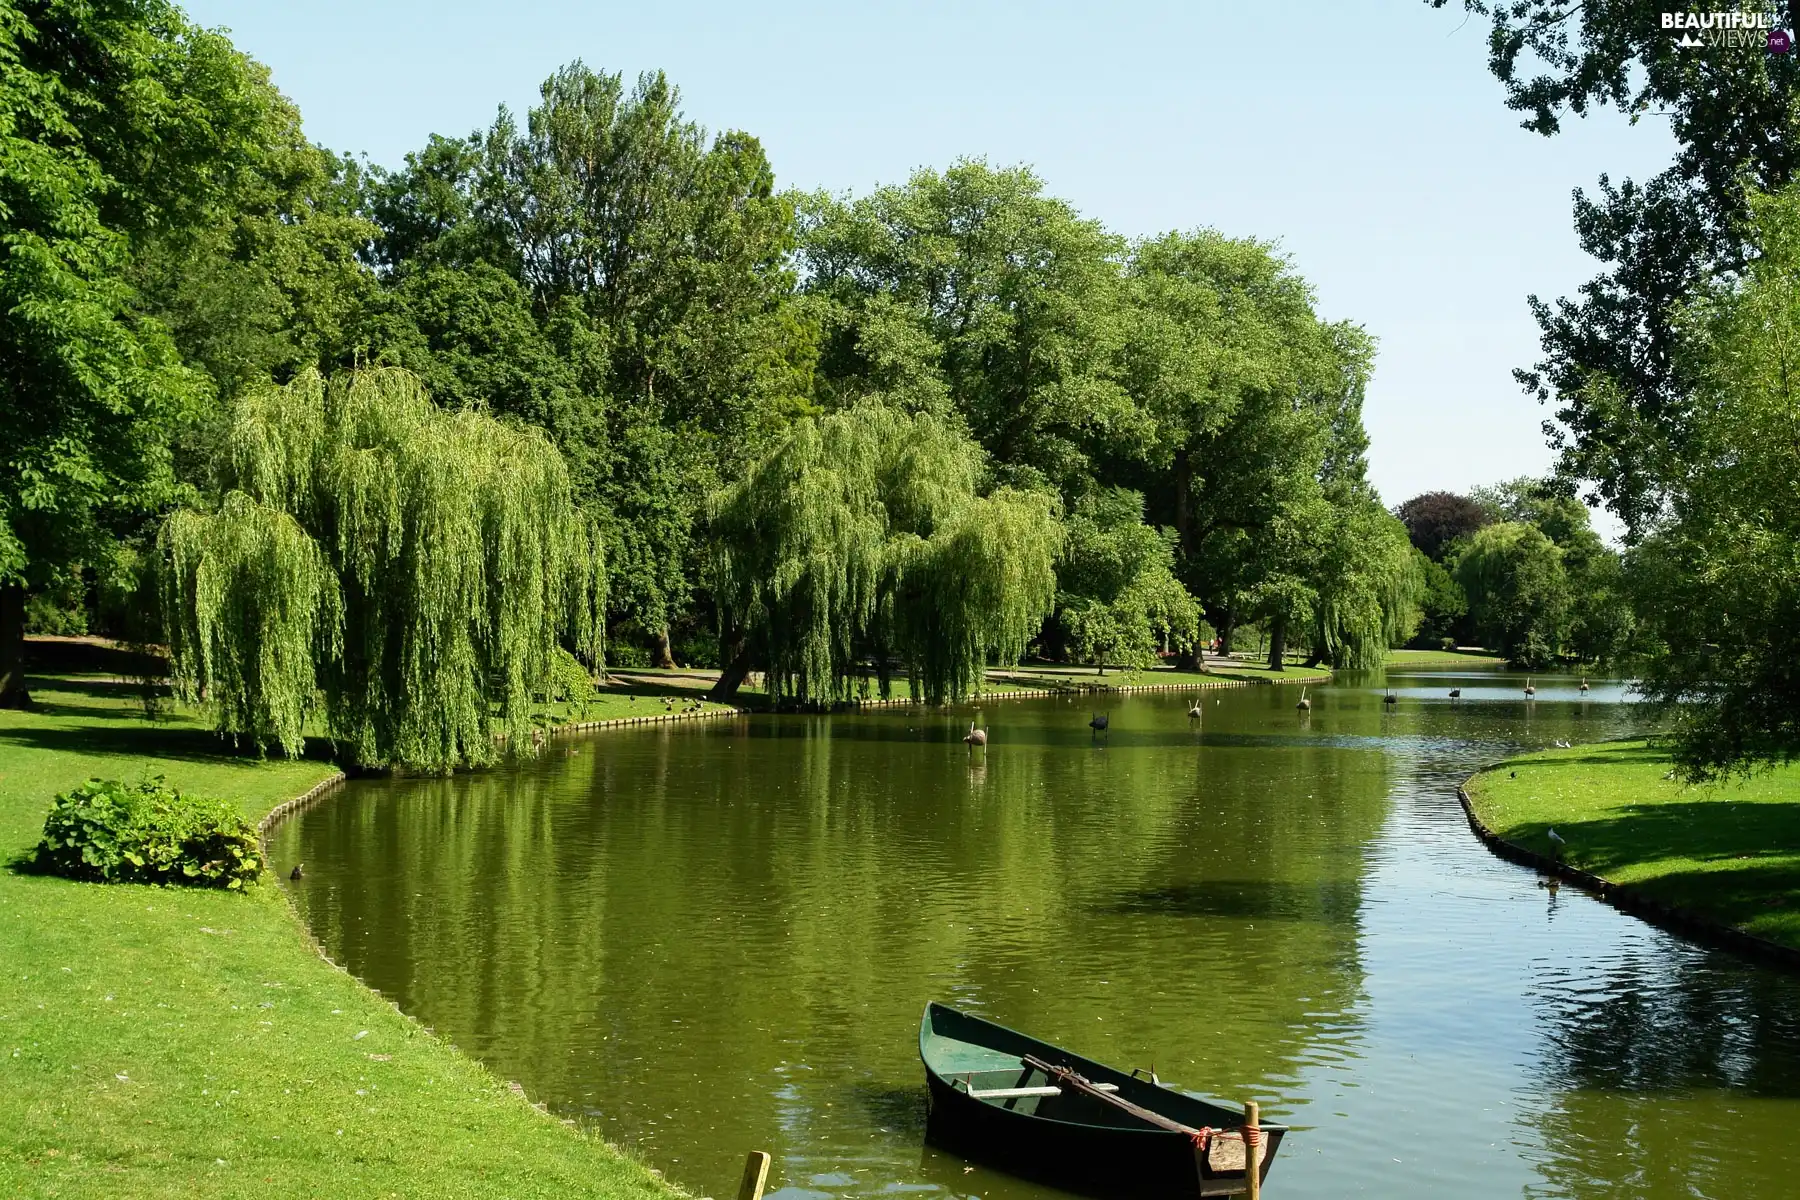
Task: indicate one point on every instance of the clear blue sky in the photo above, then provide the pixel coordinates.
(1367, 137)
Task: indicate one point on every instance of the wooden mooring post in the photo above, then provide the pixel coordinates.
(756, 1174)
(1253, 1149)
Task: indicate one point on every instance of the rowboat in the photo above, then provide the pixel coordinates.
(1034, 1109)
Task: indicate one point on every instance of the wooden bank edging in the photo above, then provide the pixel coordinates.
(1623, 896)
(319, 790)
(306, 799)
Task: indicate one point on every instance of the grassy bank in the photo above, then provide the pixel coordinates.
(641, 691)
(174, 1042)
(1084, 678)
(1730, 853)
(1442, 658)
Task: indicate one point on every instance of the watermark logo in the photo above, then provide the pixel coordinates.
(1735, 29)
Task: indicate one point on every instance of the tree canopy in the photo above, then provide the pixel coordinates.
(1623, 399)
(413, 567)
(1718, 579)
(862, 535)
(921, 429)
(117, 121)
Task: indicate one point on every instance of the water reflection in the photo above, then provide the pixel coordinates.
(708, 938)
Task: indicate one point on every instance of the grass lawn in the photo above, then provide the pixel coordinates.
(175, 1042)
(1071, 678)
(1434, 658)
(1730, 852)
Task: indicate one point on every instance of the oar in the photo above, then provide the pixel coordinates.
(1070, 1079)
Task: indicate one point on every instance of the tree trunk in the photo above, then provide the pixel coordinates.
(1184, 474)
(1226, 629)
(662, 655)
(734, 660)
(732, 677)
(12, 647)
(1278, 642)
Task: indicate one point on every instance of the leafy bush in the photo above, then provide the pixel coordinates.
(570, 681)
(113, 832)
(622, 653)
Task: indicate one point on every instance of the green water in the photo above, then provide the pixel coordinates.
(703, 939)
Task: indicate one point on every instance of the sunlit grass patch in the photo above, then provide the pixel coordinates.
(178, 1042)
(1729, 851)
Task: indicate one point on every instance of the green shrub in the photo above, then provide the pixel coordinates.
(113, 832)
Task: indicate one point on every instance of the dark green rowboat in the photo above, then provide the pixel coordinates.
(1036, 1110)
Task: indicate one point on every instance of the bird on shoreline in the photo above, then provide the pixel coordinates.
(1557, 842)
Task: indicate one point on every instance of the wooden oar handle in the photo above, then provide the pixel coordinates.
(1068, 1078)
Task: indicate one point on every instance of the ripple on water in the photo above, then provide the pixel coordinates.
(702, 939)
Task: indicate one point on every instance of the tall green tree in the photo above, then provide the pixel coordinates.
(1248, 408)
(117, 120)
(1518, 591)
(1600, 622)
(675, 249)
(1117, 598)
(862, 535)
(970, 291)
(1733, 113)
(1717, 582)
(415, 568)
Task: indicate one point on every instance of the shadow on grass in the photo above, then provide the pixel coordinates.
(1640, 754)
(138, 741)
(130, 691)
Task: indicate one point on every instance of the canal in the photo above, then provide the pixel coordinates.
(711, 937)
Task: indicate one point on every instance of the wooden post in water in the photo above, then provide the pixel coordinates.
(756, 1174)
(1253, 1149)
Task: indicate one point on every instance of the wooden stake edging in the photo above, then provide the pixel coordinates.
(756, 1174)
(1253, 1149)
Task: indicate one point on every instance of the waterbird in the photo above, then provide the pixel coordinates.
(1584, 683)
(1304, 702)
(1456, 693)
(1529, 690)
(1100, 722)
(1196, 710)
(1390, 698)
(295, 873)
(975, 737)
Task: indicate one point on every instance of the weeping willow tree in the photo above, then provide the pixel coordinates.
(862, 534)
(1368, 588)
(406, 572)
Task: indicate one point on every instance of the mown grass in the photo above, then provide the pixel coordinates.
(1730, 852)
(1082, 678)
(177, 1042)
(1431, 658)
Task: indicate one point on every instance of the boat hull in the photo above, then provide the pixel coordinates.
(1123, 1159)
